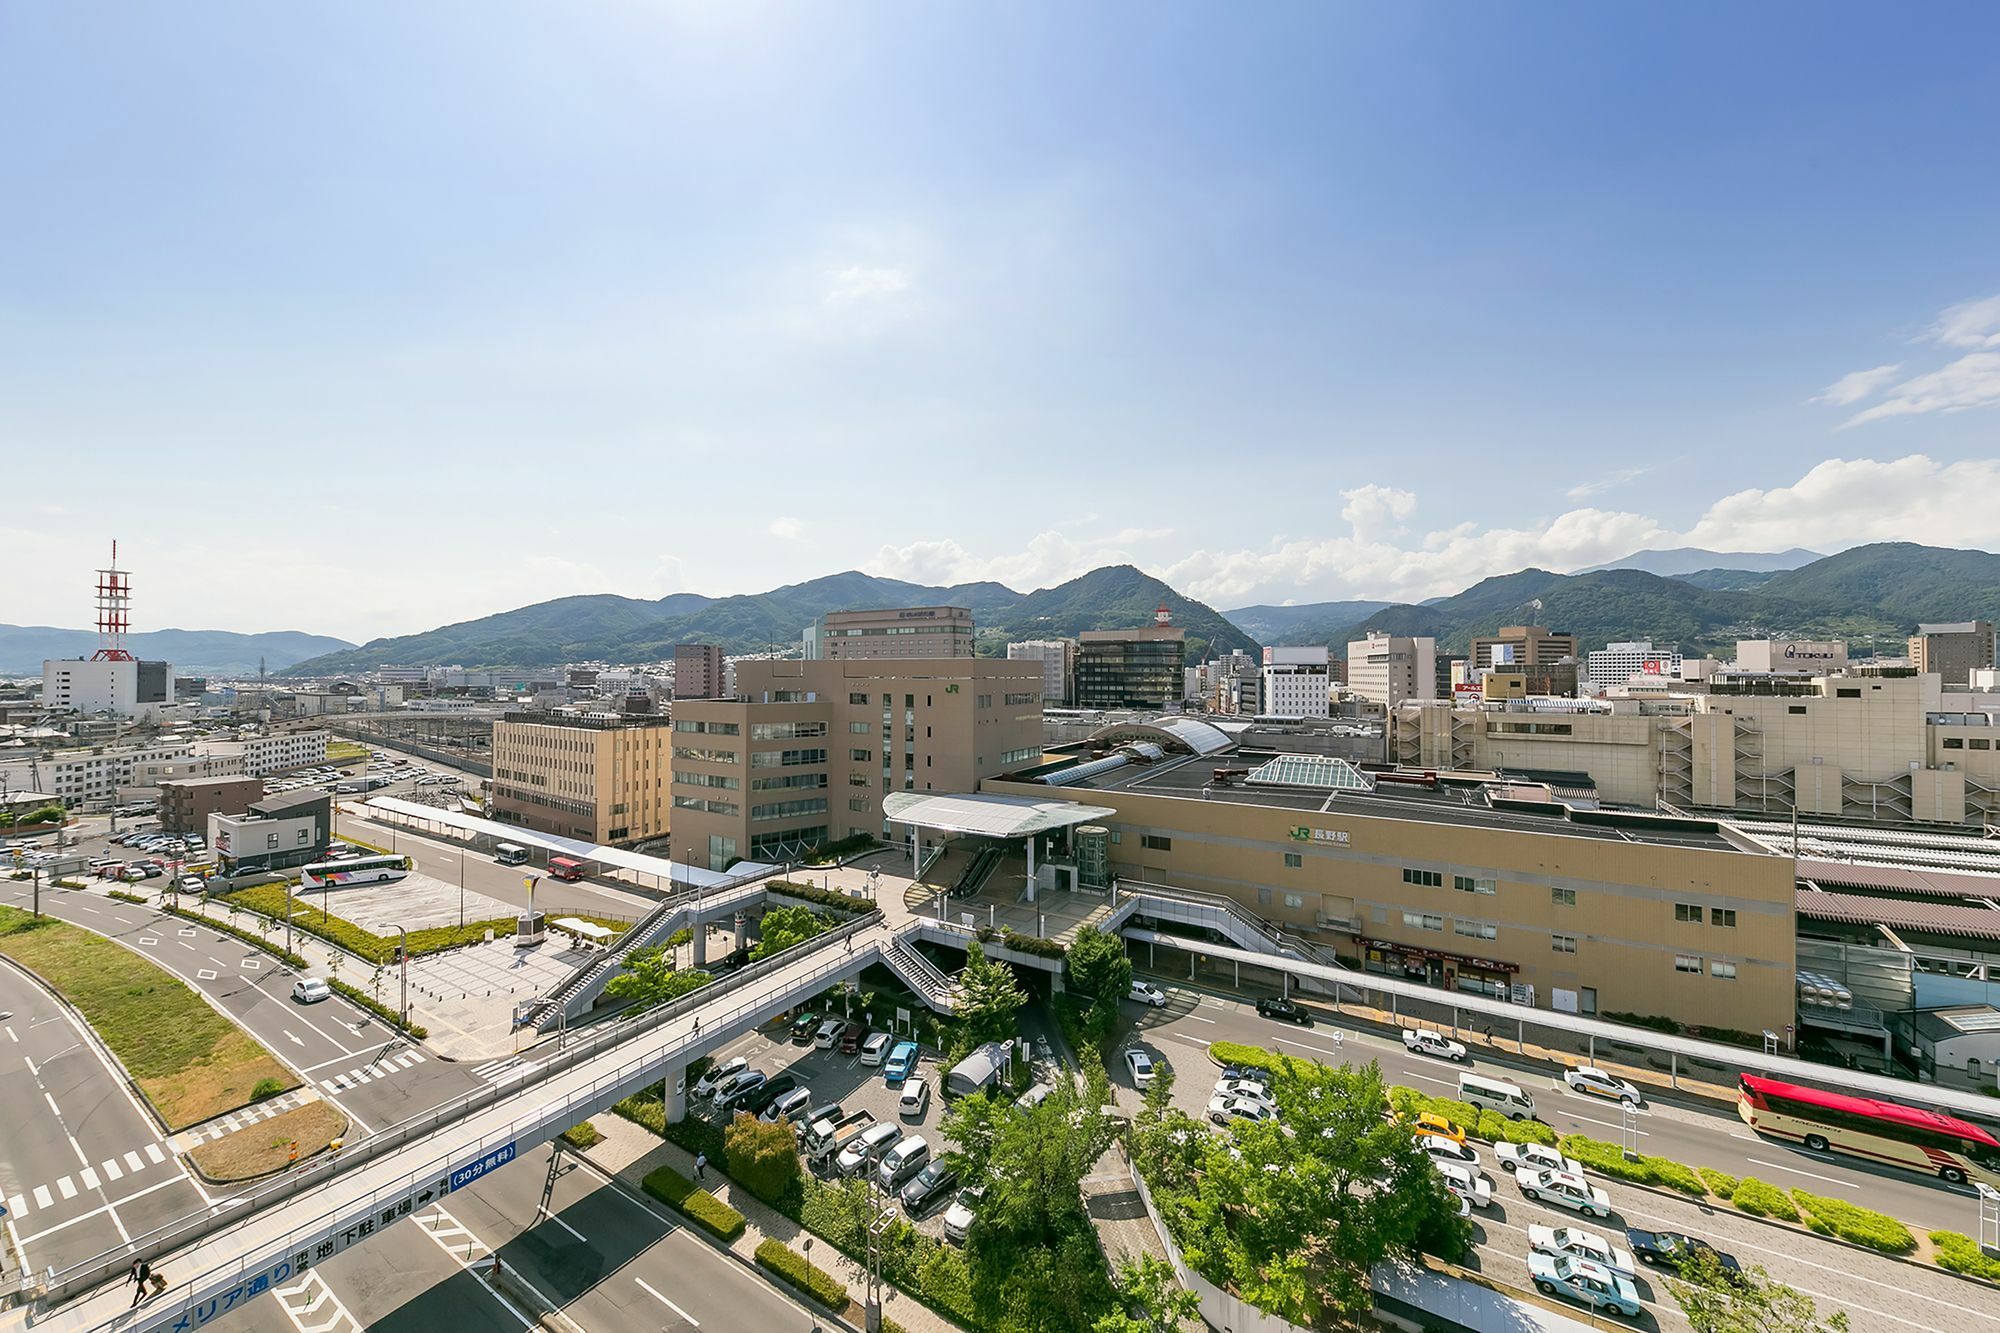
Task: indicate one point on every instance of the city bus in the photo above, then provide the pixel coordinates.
(1886, 1132)
(355, 870)
(565, 867)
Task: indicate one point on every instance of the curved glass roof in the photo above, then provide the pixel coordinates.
(1311, 770)
(1185, 732)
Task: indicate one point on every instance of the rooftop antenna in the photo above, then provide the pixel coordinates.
(114, 612)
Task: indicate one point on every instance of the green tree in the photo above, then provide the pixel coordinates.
(1750, 1302)
(1153, 1298)
(763, 1157)
(1097, 966)
(990, 998)
(1039, 1157)
(782, 927)
(651, 978)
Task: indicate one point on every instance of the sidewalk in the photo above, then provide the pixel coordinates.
(629, 1151)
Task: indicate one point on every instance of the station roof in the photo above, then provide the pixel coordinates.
(1190, 733)
(987, 816)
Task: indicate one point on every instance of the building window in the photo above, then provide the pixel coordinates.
(786, 731)
(1423, 921)
(1293, 861)
(708, 728)
(1563, 943)
(1263, 897)
(861, 728)
(857, 779)
(1021, 755)
(1954, 743)
(1018, 700)
(858, 803)
(1795, 708)
(1478, 930)
(786, 758)
(1469, 884)
(860, 699)
(1722, 971)
(1153, 842)
(860, 756)
(1563, 897)
(1428, 879)
(1688, 912)
(1978, 744)
(1722, 916)
(1687, 962)
(787, 809)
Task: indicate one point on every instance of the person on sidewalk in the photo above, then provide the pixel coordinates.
(140, 1276)
(701, 1166)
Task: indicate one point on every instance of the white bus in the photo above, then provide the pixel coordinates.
(355, 870)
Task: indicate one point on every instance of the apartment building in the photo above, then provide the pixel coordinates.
(1058, 659)
(697, 671)
(901, 632)
(805, 752)
(1467, 885)
(186, 803)
(1131, 668)
(276, 833)
(1520, 645)
(1616, 663)
(90, 778)
(601, 777)
(1954, 651)
(1296, 682)
(279, 752)
(1389, 668)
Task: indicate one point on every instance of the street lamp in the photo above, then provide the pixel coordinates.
(403, 949)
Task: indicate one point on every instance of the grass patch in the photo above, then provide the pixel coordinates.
(1608, 1159)
(1758, 1199)
(346, 752)
(125, 897)
(700, 1207)
(189, 1061)
(1961, 1254)
(788, 1264)
(582, 1135)
(259, 1149)
(1720, 1183)
(270, 900)
(1851, 1222)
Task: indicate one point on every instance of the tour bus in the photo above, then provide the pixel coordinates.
(355, 870)
(1886, 1132)
(510, 854)
(564, 867)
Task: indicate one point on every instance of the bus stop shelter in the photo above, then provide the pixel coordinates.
(985, 816)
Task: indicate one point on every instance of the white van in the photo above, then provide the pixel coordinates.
(1494, 1094)
(877, 1046)
(508, 854)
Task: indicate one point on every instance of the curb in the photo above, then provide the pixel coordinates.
(104, 1052)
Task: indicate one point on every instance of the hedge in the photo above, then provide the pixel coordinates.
(1478, 1122)
(814, 1281)
(813, 893)
(1758, 1199)
(702, 1208)
(376, 1007)
(283, 955)
(1863, 1226)
(1032, 944)
(1720, 1183)
(1608, 1159)
(125, 897)
(1236, 1053)
(582, 1135)
(1961, 1254)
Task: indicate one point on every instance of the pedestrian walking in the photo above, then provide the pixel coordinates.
(701, 1166)
(139, 1277)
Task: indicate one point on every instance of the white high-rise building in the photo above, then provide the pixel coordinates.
(1296, 681)
(1616, 663)
(125, 687)
(1389, 668)
(1058, 659)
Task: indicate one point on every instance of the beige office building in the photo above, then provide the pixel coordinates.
(600, 777)
(1481, 888)
(1389, 668)
(900, 632)
(1954, 651)
(805, 752)
(1521, 645)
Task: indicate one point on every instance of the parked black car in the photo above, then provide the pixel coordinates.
(804, 1026)
(1273, 1007)
(1670, 1249)
(1251, 1072)
(772, 1089)
(929, 1189)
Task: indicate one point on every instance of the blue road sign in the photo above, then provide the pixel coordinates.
(471, 1171)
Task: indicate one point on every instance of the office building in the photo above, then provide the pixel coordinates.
(276, 833)
(1513, 680)
(805, 752)
(1521, 645)
(1058, 659)
(1470, 885)
(1296, 682)
(1389, 668)
(1807, 657)
(1952, 652)
(908, 631)
(186, 803)
(124, 687)
(277, 752)
(87, 778)
(1616, 663)
(1131, 668)
(600, 777)
(697, 671)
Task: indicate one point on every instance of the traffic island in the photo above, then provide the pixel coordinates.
(189, 1062)
(270, 1146)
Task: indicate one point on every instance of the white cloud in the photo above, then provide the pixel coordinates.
(859, 284)
(1973, 324)
(1609, 482)
(786, 528)
(1848, 501)
(1377, 510)
(1971, 381)
(1852, 387)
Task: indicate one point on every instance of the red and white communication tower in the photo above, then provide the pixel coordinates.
(114, 612)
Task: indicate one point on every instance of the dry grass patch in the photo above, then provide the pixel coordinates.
(189, 1061)
(266, 1146)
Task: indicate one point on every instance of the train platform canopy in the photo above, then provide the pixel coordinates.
(986, 816)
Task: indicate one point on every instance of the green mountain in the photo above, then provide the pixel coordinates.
(624, 629)
(1680, 561)
(1904, 581)
(1280, 624)
(1730, 580)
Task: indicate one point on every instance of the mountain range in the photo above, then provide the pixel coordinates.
(606, 627)
(193, 652)
(1679, 561)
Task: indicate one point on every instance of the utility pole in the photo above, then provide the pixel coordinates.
(403, 948)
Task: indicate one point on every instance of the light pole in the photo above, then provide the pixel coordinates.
(403, 949)
(288, 914)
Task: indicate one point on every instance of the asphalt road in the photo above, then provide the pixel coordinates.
(1878, 1292)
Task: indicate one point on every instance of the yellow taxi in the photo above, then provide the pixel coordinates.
(1430, 1122)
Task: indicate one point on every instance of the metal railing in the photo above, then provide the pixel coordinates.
(927, 977)
(1281, 941)
(316, 1174)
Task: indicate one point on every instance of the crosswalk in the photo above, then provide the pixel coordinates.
(189, 1139)
(374, 1069)
(502, 1072)
(112, 1169)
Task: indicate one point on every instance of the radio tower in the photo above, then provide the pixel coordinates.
(114, 612)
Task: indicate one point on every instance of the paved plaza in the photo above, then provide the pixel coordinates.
(413, 902)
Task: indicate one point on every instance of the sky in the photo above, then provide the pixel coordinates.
(366, 318)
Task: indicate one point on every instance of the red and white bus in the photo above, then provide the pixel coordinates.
(1886, 1132)
(565, 867)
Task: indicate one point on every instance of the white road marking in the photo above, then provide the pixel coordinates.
(132, 1160)
(44, 1199)
(1199, 1019)
(153, 1151)
(116, 1203)
(567, 1227)
(66, 1188)
(113, 1171)
(1780, 1166)
(293, 1037)
(89, 1175)
(669, 1304)
(11, 1037)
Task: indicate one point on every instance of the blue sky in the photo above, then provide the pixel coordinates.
(375, 317)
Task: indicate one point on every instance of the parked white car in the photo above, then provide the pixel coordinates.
(1422, 1041)
(717, 1075)
(1580, 1244)
(1244, 1087)
(1141, 1065)
(1223, 1110)
(1565, 1191)
(1442, 1149)
(1534, 1157)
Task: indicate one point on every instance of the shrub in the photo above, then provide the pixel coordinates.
(1655, 1022)
(763, 1157)
(1034, 944)
(788, 1264)
(702, 1208)
(1609, 1160)
(266, 1088)
(1961, 1254)
(1758, 1199)
(1863, 1226)
(819, 897)
(582, 1135)
(1480, 1124)
(125, 897)
(1720, 1183)
(1236, 1053)
(249, 937)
